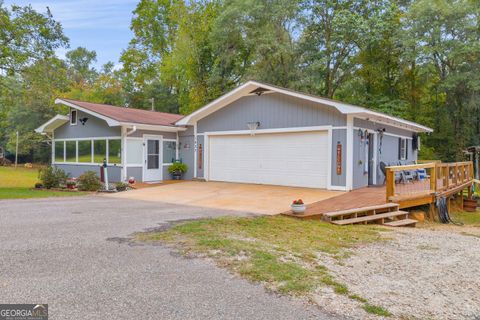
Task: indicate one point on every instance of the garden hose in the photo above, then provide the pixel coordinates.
(443, 215)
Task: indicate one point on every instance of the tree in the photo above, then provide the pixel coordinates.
(79, 62)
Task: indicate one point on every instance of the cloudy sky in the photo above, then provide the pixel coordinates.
(100, 25)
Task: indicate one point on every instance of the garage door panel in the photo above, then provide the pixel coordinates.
(294, 159)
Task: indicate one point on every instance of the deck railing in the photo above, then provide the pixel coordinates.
(408, 181)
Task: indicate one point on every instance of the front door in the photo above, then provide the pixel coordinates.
(152, 169)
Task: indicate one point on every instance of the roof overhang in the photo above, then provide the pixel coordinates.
(252, 88)
(114, 123)
(52, 124)
(111, 122)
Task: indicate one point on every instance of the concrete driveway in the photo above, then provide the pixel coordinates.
(261, 199)
(72, 253)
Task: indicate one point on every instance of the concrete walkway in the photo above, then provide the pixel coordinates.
(262, 199)
(71, 253)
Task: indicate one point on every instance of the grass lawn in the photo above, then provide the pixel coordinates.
(18, 183)
(467, 218)
(281, 252)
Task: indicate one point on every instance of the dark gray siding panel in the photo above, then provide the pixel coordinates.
(94, 127)
(272, 111)
(186, 153)
(114, 172)
(166, 135)
(136, 172)
(339, 136)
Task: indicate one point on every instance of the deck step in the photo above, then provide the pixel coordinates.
(401, 223)
(371, 217)
(338, 213)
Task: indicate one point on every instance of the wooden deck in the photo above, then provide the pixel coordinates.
(440, 180)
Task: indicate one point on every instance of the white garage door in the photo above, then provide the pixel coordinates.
(289, 159)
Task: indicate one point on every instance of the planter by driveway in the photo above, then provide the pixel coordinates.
(262, 199)
(72, 254)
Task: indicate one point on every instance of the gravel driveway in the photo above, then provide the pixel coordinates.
(68, 252)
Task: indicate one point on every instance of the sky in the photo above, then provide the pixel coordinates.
(100, 25)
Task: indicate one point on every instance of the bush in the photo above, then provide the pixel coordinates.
(89, 181)
(120, 186)
(38, 185)
(52, 177)
(178, 167)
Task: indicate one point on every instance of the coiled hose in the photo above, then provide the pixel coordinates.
(443, 215)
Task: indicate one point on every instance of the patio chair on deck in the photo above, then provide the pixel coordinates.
(398, 175)
(408, 175)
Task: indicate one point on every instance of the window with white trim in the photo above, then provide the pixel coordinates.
(73, 117)
(169, 151)
(403, 148)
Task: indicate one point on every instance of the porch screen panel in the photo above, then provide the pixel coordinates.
(153, 154)
(85, 151)
(114, 151)
(59, 151)
(71, 151)
(169, 151)
(99, 150)
(134, 151)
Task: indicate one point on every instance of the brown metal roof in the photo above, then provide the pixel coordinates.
(123, 114)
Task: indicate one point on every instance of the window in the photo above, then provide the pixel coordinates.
(73, 117)
(114, 151)
(59, 151)
(85, 151)
(71, 151)
(99, 150)
(402, 148)
(134, 151)
(169, 151)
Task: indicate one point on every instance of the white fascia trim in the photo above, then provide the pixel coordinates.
(94, 138)
(195, 153)
(407, 125)
(265, 131)
(329, 160)
(110, 121)
(152, 127)
(88, 164)
(60, 118)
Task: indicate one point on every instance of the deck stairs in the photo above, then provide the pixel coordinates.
(387, 214)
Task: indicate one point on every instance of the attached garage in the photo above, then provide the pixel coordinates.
(291, 159)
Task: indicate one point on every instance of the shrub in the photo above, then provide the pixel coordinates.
(52, 177)
(38, 185)
(120, 186)
(178, 167)
(89, 181)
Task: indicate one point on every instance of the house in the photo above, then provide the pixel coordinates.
(257, 133)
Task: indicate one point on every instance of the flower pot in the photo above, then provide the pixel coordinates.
(298, 208)
(176, 175)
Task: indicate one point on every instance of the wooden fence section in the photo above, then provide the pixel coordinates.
(417, 184)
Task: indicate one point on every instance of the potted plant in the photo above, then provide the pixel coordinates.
(71, 184)
(177, 170)
(298, 206)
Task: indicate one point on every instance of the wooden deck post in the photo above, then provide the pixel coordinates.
(433, 178)
(390, 183)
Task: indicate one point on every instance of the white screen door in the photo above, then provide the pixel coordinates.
(153, 156)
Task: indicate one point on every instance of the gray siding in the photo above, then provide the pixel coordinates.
(186, 151)
(114, 172)
(94, 127)
(360, 177)
(365, 124)
(136, 172)
(166, 135)
(272, 111)
(339, 135)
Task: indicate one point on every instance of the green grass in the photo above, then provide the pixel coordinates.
(19, 183)
(379, 311)
(467, 218)
(283, 253)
